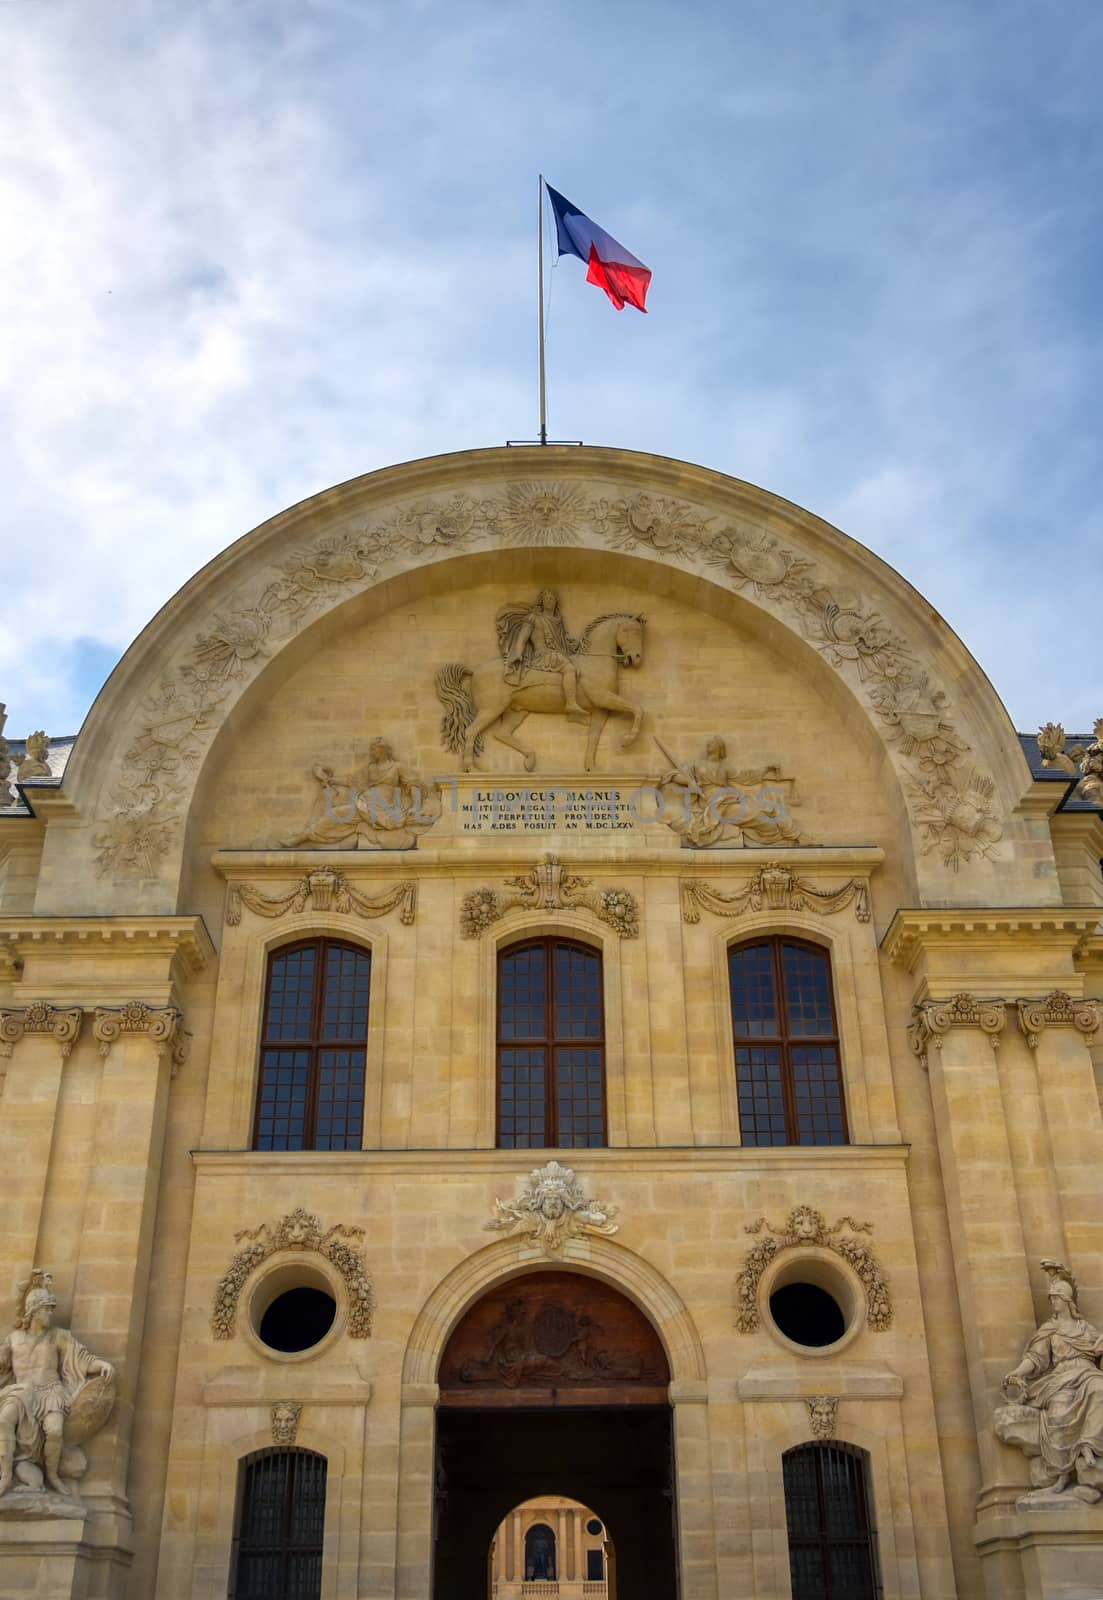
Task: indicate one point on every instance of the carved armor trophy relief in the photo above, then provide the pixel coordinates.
(540, 668)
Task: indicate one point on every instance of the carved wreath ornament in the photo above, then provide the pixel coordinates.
(805, 1226)
(549, 887)
(951, 802)
(299, 1230)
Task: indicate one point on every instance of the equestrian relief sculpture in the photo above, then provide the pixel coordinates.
(1055, 1410)
(54, 1394)
(541, 668)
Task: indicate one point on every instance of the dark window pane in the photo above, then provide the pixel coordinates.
(312, 1097)
(788, 1091)
(754, 1001)
(522, 994)
(551, 1055)
(807, 975)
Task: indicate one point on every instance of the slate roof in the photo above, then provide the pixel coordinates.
(57, 759)
(1029, 742)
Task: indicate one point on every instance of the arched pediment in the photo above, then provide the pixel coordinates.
(261, 606)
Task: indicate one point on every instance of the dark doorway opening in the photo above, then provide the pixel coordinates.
(619, 1460)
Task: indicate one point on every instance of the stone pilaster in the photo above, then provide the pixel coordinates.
(35, 1040)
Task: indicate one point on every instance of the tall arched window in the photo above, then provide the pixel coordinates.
(310, 1092)
(540, 1554)
(832, 1542)
(551, 1046)
(279, 1526)
(787, 1071)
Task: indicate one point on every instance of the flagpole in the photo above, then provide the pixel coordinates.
(540, 282)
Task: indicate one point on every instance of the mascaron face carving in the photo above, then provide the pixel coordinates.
(552, 1209)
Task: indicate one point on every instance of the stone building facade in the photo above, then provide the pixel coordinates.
(548, 972)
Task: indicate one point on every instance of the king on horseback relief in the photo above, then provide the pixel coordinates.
(541, 668)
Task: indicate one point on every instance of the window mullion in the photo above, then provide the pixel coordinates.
(320, 969)
(787, 1090)
(551, 1048)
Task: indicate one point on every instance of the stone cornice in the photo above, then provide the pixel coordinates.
(933, 1019)
(181, 940)
(913, 933)
(680, 1161)
(476, 857)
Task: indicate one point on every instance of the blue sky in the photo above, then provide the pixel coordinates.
(253, 248)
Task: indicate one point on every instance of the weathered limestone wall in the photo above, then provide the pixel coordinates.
(976, 1134)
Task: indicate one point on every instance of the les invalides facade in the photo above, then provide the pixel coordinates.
(551, 1040)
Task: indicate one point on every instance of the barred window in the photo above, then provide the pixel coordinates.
(551, 1046)
(310, 1092)
(279, 1526)
(832, 1541)
(788, 1076)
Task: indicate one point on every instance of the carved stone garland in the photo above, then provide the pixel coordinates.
(299, 1230)
(774, 887)
(325, 889)
(951, 802)
(805, 1226)
(548, 887)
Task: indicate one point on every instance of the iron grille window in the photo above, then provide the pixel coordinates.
(787, 1072)
(310, 1094)
(551, 1046)
(832, 1542)
(280, 1524)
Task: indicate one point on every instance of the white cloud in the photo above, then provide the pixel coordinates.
(258, 248)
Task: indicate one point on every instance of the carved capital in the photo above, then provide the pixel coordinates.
(774, 887)
(1059, 1009)
(39, 1017)
(933, 1019)
(823, 1411)
(325, 889)
(161, 1024)
(549, 887)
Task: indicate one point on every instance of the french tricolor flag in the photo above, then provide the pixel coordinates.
(612, 267)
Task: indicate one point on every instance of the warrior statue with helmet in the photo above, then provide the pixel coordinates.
(54, 1394)
(1055, 1415)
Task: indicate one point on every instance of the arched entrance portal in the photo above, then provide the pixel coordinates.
(554, 1384)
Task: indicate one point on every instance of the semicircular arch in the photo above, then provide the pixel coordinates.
(250, 613)
(496, 1263)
